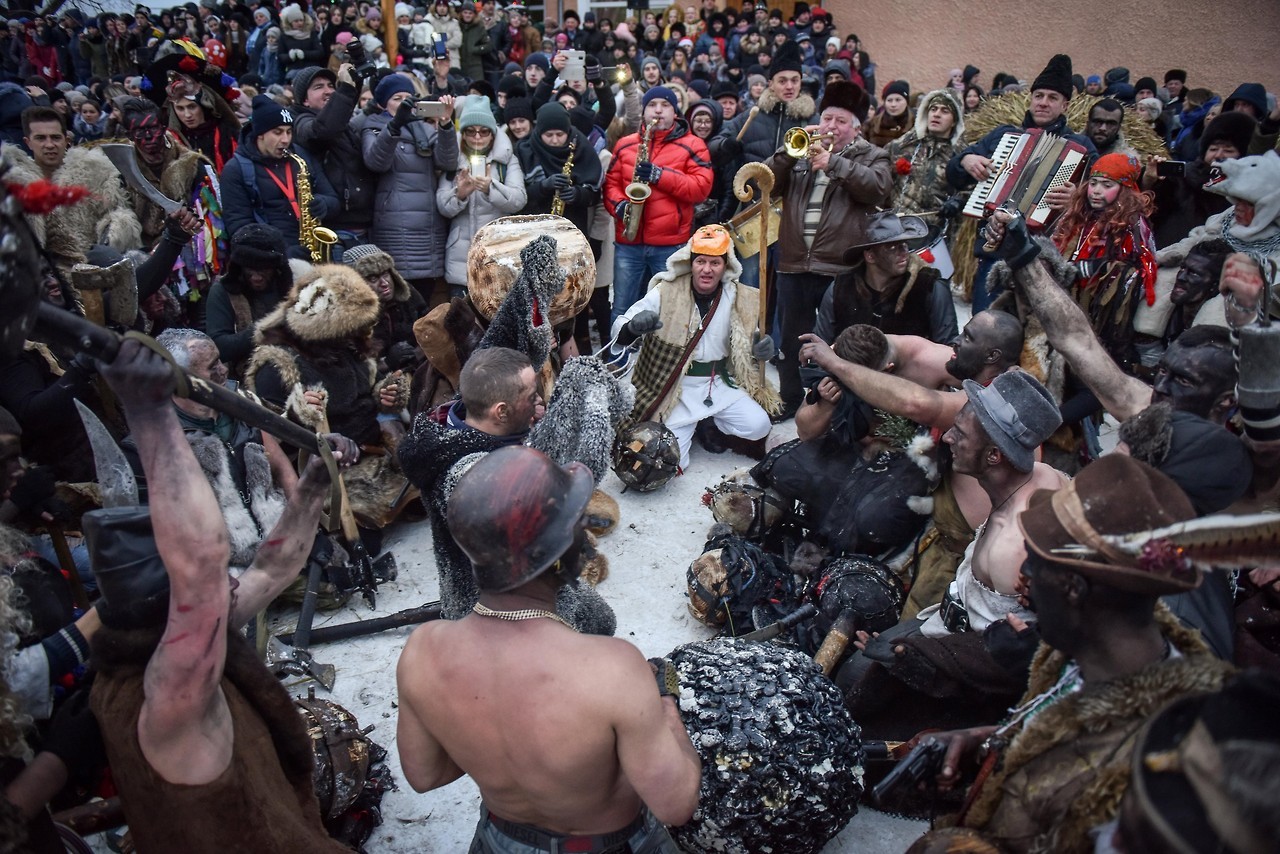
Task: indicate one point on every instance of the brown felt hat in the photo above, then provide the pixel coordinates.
(1115, 495)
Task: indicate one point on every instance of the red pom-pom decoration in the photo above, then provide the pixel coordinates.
(42, 197)
(902, 166)
(189, 65)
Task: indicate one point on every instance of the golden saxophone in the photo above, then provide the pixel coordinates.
(638, 191)
(557, 203)
(311, 233)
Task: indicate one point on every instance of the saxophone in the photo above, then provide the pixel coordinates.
(638, 191)
(557, 203)
(311, 234)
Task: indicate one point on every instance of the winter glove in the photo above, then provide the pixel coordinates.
(762, 347)
(74, 737)
(404, 115)
(647, 173)
(1012, 650)
(84, 364)
(950, 208)
(620, 210)
(551, 183)
(296, 54)
(35, 494)
(569, 195)
(730, 148)
(643, 323)
(1017, 249)
(402, 356)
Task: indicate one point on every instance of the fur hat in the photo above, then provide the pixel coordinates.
(1114, 495)
(1017, 413)
(369, 261)
(1234, 127)
(1175, 74)
(786, 58)
(1056, 76)
(330, 302)
(846, 95)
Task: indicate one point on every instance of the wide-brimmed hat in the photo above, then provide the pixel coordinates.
(1114, 496)
(1017, 412)
(885, 227)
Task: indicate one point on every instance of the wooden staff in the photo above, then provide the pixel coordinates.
(751, 117)
(763, 177)
(390, 32)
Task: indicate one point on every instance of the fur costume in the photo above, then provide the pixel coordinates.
(523, 321)
(448, 335)
(248, 521)
(680, 316)
(435, 457)
(103, 217)
(1068, 768)
(584, 412)
(176, 180)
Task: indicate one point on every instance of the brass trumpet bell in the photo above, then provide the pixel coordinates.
(798, 142)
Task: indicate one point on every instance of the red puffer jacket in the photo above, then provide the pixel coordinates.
(685, 181)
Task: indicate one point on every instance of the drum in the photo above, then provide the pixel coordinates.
(937, 256)
(493, 263)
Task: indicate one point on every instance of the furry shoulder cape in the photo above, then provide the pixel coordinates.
(103, 217)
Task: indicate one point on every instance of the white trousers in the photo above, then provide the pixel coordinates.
(735, 413)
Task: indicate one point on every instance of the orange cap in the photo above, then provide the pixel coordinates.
(710, 240)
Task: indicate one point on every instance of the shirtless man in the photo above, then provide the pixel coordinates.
(572, 745)
(204, 745)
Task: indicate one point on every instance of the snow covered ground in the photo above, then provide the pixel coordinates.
(657, 537)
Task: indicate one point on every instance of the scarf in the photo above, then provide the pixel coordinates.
(1192, 119)
(536, 154)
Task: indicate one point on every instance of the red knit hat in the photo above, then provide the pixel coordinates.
(1124, 169)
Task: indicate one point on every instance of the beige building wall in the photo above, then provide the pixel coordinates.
(1220, 44)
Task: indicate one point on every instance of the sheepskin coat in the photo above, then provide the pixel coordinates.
(70, 231)
(1068, 768)
(506, 195)
(406, 222)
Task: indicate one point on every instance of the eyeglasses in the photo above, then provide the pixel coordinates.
(477, 131)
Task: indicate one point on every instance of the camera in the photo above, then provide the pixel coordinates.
(1171, 169)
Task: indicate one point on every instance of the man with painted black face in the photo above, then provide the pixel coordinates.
(1109, 659)
(1195, 284)
(586, 758)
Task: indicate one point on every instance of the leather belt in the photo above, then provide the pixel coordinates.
(601, 843)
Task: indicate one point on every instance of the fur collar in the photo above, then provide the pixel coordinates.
(922, 115)
(1061, 270)
(801, 109)
(1098, 709)
(329, 302)
(431, 450)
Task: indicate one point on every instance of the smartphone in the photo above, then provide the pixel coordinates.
(1171, 169)
(428, 109)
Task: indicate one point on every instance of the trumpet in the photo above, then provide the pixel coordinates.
(799, 143)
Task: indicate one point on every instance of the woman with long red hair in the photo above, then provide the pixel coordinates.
(1105, 233)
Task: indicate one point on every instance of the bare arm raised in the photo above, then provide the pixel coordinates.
(885, 391)
(184, 728)
(1069, 331)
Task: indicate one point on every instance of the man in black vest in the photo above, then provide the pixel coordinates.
(889, 287)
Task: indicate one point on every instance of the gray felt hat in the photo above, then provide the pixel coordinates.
(885, 227)
(1018, 414)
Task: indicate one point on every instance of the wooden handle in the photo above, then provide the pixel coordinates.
(835, 643)
(751, 117)
(763, 176)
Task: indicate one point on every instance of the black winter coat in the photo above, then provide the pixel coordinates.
(265, 202)
(333, 137)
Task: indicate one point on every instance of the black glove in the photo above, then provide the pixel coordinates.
(642, 324)
(551, 183)
(1017, 249)
(730, 148)
(34, 493)
(762, 347)
(1012, 650)
(569, 195)
(950, 208)
(647, 173)
(401, 356)
(74, 737)
(84, 364)
(404, 115)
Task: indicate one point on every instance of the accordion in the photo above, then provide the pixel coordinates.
(1024, 168)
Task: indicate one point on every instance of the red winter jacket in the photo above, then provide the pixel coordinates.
(684, 182)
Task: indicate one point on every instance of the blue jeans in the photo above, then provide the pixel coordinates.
(633, 267)
(652, 838)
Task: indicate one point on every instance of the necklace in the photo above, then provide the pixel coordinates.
(525, 614)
